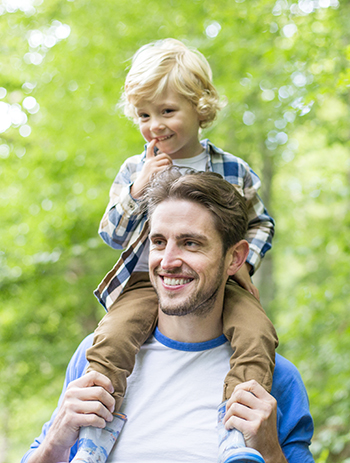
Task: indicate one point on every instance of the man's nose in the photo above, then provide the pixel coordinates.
(171, 257)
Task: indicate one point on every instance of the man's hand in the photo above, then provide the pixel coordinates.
(253, 411)
(243, 279)
(87, 402)
(153, 164)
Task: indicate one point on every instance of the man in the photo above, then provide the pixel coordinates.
(174, 391)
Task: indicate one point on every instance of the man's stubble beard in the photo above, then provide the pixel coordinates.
(197, 304)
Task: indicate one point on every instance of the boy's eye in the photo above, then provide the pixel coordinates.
(143, 116)
(168, 111)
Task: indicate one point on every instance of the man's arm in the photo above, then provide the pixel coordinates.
(86, 402)
(253, 411)
(294, 426)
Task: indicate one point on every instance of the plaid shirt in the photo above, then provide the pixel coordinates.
(124, 227)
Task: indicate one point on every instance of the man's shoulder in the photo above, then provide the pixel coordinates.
(287, 382)
(78, 362)
(285, 368)
(86, 342)
(286, 376)
(293, 413)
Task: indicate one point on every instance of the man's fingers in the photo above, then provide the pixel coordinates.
(247, 394)
(236, 414)
(93, 378)
(245, 397)
(252, 386)
(75, 419)
(86, 402)
(93, 420)
(92, 407)
(249, 401)
(96, 394)
(92, 387)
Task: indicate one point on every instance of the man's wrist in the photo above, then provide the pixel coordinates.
(49, 452)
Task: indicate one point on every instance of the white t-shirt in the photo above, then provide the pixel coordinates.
(170, 404)
(198, 163)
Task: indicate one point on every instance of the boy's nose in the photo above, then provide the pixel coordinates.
(157, 125)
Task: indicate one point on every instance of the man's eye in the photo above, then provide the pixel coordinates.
(191, 244)
(157, 243)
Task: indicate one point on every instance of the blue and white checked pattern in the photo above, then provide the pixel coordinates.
(124, 227)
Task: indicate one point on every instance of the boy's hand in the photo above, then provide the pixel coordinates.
(243, 279)
(153, 164)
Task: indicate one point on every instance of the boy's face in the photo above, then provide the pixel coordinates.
(173, 121)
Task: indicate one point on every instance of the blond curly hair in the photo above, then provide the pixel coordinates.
(170, 64)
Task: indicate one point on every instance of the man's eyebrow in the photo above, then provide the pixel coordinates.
(192, 236)
(156, 235)
(182, 236)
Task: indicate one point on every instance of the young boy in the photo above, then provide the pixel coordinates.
(169, 93)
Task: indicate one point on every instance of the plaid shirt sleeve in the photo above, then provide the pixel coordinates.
(261, 225)
(122, 216)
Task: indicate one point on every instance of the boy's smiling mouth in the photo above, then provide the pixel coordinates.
(164, 138)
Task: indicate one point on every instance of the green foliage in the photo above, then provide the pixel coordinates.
(284, 69)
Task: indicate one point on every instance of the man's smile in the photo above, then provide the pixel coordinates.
(172, 281)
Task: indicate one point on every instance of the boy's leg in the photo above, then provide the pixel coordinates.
(120, 334)
(252, 336)
(95, 444)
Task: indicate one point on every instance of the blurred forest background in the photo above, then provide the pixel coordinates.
(284, 69)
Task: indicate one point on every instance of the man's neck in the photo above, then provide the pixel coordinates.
(191, 328)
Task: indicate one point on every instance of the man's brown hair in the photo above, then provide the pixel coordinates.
(208, 189)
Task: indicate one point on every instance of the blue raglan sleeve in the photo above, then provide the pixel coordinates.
(294, 421)
(74, 371)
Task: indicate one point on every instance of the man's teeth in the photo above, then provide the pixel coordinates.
(176, 281)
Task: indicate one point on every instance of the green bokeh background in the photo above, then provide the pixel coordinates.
(284, 69)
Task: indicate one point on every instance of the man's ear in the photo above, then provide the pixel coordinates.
(237, 255)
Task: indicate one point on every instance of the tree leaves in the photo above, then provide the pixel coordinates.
(284, 70)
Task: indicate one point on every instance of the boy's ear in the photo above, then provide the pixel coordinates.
(201, 117)
(237, 255)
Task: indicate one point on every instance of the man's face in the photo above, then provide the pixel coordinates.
(186, 262)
